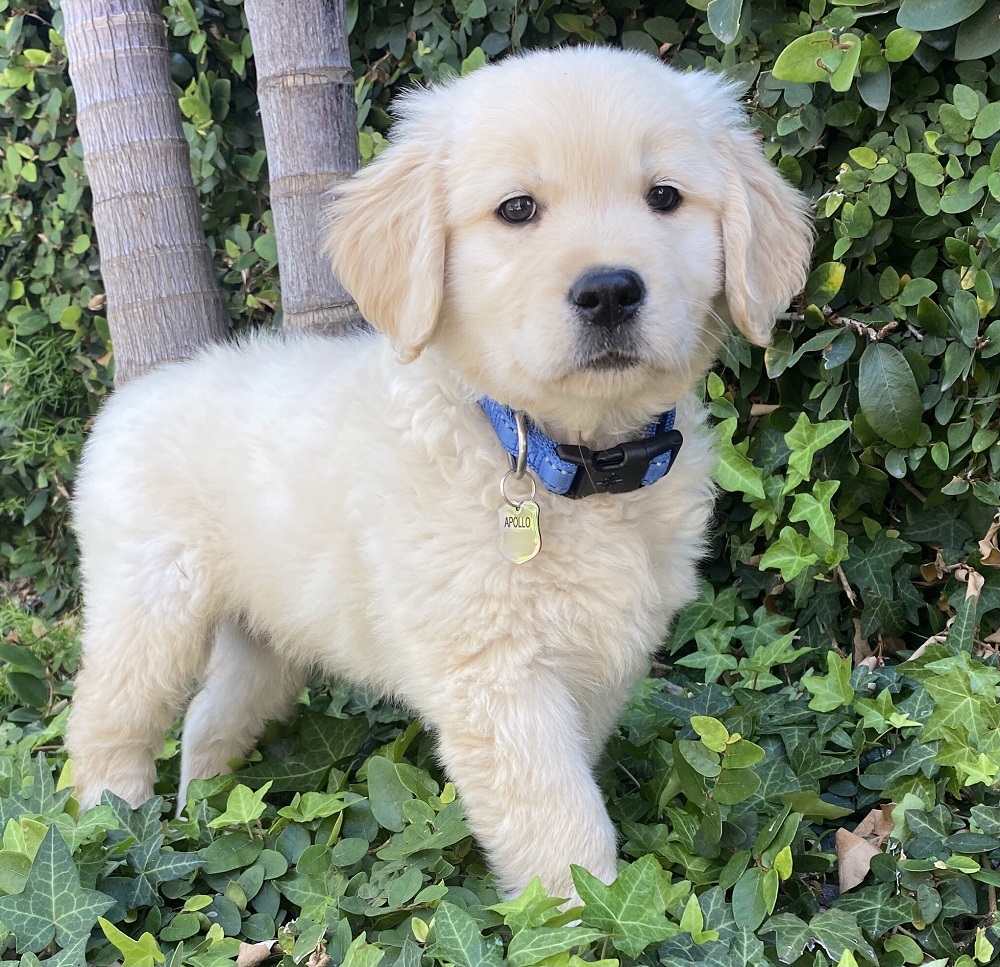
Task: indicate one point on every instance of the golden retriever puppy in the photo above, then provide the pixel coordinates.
(551, 236)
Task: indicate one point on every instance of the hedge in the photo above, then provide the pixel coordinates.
(841, 657)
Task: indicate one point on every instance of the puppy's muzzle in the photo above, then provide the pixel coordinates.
(607, 297)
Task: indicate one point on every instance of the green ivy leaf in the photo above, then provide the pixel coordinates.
(835, 931)
(833, 690)
(734, 472)
(791, 554)
(630, 910)
(53, 904)
(244, 807)
(533, 908)
(805, 440)
(815, 510)
(533, 946)
(144, 952)
(458, 939)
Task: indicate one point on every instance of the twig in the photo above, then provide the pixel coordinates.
(847, 587)
(913, 490)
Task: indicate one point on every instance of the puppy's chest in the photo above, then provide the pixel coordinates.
(594, 559)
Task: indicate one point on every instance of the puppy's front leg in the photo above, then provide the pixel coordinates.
(518, 757)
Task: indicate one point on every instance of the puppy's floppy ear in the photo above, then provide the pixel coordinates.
(767, 238)
(387, 241)
(767, 232)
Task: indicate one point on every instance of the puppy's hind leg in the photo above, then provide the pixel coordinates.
(143, 650)
(248, 684)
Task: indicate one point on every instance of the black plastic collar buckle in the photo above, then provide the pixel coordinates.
(617, 470)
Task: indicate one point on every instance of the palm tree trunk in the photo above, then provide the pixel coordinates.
(306, 95)
(163, 297)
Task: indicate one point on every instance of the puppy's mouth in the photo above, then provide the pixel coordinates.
(611, 361)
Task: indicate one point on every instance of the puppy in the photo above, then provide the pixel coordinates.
(554, 236)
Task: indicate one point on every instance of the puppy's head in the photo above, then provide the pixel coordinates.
(558, 226)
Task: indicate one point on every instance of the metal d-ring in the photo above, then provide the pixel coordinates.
(521, 464)
(516, 503)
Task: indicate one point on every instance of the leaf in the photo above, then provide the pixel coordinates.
(805, 440)
(833, 690)
(532, 946)
(834, 930)
(533, 908)
(724, 19)
(734, 472)
(791, 554)
(629, 910)
(457, 938)
(979, 35)
(712, 732)
(900, 44)
(935, 14)
(693, 921)
(244, 807)
(52, 905)
(889, 396)
(387, 793)
(824, 282)
(266, 246)
(808, 59)
(925, 168)
(230, 852)
(841, 78)
(815, 510)
(152, 865)
(144, 952)
(749, 901)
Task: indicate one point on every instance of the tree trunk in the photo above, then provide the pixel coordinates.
(163, 298)
(306, 95)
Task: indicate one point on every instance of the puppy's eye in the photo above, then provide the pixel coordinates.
(663, 198)
(518, 210)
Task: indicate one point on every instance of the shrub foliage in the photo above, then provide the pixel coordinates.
(850, 665)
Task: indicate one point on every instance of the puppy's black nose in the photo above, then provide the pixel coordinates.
(607, 297)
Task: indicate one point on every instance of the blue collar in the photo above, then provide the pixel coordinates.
(577, 471)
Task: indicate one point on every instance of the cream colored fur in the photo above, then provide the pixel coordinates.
(281, 505)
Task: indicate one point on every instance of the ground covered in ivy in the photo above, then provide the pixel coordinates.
(811, 776)
(754, 812)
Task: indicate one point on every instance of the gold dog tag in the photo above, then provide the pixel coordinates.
(520, 540)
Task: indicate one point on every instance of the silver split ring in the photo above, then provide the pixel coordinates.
(503, 491)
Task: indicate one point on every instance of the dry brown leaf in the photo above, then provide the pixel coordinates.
(989, 546)
(877, 826)
(929, 572)
(972, 580)
(252, 954)
(318, 957)
(854, 859)
(862, 650)
(856, 849)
